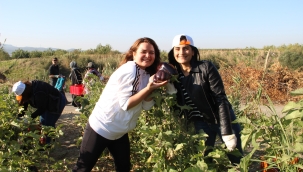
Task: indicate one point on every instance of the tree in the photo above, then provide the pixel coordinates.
(103, 49)
(35, 53)
(48, 52)
(19, 53)
(4, 55)
(292, 57)
(59, 52)
(292, 60)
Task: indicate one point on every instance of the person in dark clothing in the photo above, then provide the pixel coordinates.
(76, 78)
(54, 74)
(88, 77)
(91, 69)
(47, 100)
(201, 88)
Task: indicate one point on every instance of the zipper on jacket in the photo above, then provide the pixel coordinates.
(207, 99)
(210, 106)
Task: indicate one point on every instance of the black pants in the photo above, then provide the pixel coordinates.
(92, 147)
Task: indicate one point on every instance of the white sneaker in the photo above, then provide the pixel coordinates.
(78, 109)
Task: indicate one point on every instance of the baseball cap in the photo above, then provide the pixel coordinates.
(177, 40)
(18, 88)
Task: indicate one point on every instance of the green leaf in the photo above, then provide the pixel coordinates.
(297, 92)
(243, 120)
(15, 124)
(198, 167)
(254, 139)
(244, 163)
(298, 166)
(291, 105)
(168, 133)
(245, 136)
(299, 139)
(285, 158)
(178, 147)
(298, 147)
(293, 115)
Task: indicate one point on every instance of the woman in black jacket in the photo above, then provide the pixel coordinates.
(47, 100)
(201, 87)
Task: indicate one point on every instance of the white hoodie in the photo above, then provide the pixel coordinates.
(110, 117)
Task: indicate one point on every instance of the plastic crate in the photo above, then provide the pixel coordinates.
(77, 89)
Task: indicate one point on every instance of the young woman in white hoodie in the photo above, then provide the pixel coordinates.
(116, 113)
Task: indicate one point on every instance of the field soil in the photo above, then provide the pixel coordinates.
(67, 148)
(68, 151)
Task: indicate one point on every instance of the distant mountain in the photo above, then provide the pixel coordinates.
(10, 48)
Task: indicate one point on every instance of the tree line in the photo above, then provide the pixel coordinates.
(20, 53)
(291, 55)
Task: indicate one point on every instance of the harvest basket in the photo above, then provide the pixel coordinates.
(77, 89)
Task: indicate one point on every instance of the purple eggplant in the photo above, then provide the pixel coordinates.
(168, 68)
(165, 72)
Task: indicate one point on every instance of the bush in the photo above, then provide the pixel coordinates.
(20, 54)
(34, 54)
(60, 52)
(164, 56)
(89, 51)
(4, 55)
(292, 60)
(48, 52)
(292, 56)
(217, 60)
(103, 49)
(76, 51)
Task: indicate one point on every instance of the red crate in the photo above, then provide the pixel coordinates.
(77, 89)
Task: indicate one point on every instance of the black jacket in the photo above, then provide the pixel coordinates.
(205, 88)
(53, 70)
(44, 97)
(75, 76)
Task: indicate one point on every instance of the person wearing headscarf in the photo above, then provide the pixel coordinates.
(76, 78)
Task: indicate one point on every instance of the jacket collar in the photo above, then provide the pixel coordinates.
(194, 67)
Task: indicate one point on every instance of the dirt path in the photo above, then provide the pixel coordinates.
(67, 149)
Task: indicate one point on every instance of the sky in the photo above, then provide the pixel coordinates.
(211, 23)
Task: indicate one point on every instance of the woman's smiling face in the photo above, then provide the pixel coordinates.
(183, 54)
(145, 55)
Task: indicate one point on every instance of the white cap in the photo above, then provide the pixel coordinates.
(18, 88)
(177, 40)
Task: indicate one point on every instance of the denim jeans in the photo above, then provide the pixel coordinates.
(50, 119)
(213, 129)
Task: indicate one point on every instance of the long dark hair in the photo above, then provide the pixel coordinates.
(129, 55)
(195, 58)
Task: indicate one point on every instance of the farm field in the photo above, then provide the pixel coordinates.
(259, 89)
(68, 150)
